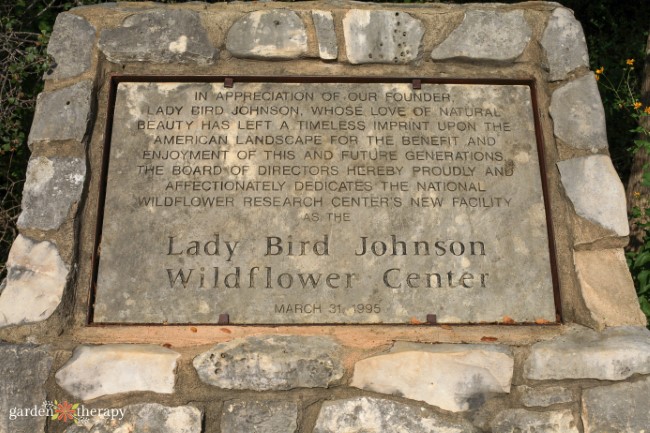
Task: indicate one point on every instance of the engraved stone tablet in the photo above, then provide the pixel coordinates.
(318, 203)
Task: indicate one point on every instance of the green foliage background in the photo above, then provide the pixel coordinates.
(615, 29)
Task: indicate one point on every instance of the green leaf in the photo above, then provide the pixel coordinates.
(645, 306)
(642, 259)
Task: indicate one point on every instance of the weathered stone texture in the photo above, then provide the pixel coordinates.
(613, 354)
(143, 418)
(36, 279)
(458, 377)
(71, 45)
(271, 363)
(486, 35)
(381, 36)
(620, 408)
(607, 288)
(543, 397)
(564, 44)
(23, 372)
(327, 46)
(259, 416)
(272, 34)
(159, 36)
(62, 114)
(366, 414)
(578, 114)
(525, 421)
(94, 371)
(597, 194)
(52, 187)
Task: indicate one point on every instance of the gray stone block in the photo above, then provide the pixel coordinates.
(597, 194)
(459, 377)
(150, 417)
(271, 363)
(621, 408)
(525, 421)
(62, 114)
(614, 354)
(95, 371)
(23, 372)
(52, 187)
(367, 414)
(324, 22)
(543, 397)
(71, 45)
(159, 36)
(259, 416)
(36, 278)
(381, 36)
(486, 35)
(578, 114)
(272, 34)
(564, 44)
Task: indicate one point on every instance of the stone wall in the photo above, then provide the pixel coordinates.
(589, 374)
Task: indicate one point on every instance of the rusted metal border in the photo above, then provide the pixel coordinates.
(229, 81)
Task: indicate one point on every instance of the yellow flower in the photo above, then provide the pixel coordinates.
(629, 62)
(597, 77)
(637, 194)
(600, 71)
(647, 110)
(637, 105)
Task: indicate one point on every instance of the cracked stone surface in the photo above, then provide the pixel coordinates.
(564, 44)
(259, 416)
(525, 421)
(71, 45)
(486, 35)
(327, 45)
(621, 408)
(546, 396)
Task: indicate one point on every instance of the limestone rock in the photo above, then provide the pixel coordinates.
(270, 34)
(71, 45)
(621, 408)
(151, 417)
(367, 414)
(564, 43)
(36, 278)
(486, 35)
(62, 114)
(578, 115)
(524, 421)
(94, 371)
(454, 377)
(23, 372)
(259, 417)
(271, 363)
(324, 23)
(53, 185)
(597, 194)
(543, 397)
(381, 36)
(159, 36)
(607, 288)
(613, 354)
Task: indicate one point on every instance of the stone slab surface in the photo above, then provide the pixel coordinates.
(71, 45)
(62, 114)
(564, 44)
(486, 35)
(248, 202)
(94, 371)
(613, 354)
(525, 421)
(23, 372)
(273, 34)
(150, 417)
(36, 278)
(458, 378)
(159, 36)
(596, 191)
(257, 416)
(52, 187)
(381, 36)
(621, 408)
(367, 414)
(271, 363)
(578, 114)
(546, 396)
(327, 45)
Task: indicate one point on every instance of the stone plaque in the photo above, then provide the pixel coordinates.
(319, 202)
